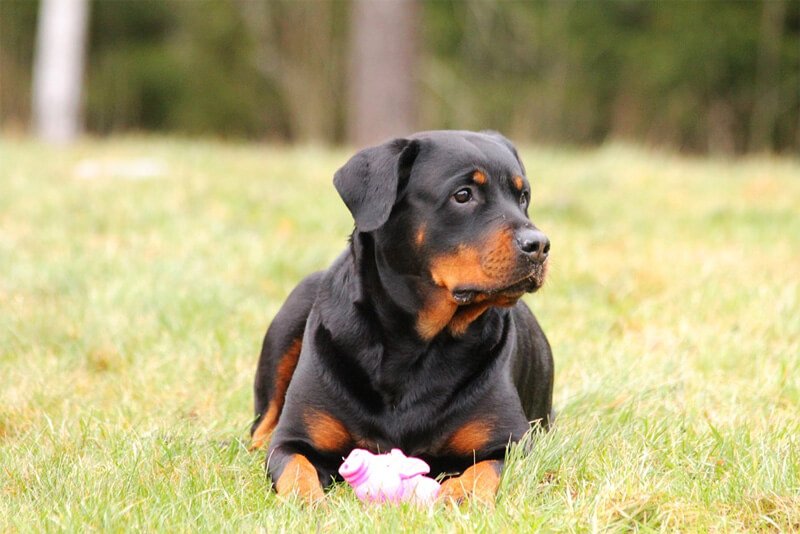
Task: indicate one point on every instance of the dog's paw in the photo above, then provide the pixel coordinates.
(478, 483)
(299, 478)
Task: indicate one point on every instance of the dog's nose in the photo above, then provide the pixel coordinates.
(533, 243)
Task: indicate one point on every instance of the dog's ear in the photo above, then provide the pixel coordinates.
(505, 142)
(370, 182)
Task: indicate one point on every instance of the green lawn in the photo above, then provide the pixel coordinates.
(132, 311)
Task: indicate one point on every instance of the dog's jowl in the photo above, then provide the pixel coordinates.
(415, 337)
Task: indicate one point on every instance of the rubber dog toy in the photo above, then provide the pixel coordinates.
(392, 477)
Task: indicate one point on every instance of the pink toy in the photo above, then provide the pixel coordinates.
(392, 477)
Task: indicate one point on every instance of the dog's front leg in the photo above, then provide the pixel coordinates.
(479, 482)
(293, 474)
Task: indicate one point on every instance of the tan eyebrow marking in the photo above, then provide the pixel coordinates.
(479, 178)
(518, 183)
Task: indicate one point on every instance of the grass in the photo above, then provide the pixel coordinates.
(131, 313)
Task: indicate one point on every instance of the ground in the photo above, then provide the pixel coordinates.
(137, 277)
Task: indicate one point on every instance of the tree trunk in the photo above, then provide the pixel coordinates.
(58, 69)
(767, 97)
(294, 47)
(383, 70)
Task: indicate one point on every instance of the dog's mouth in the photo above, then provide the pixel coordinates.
(510, 293)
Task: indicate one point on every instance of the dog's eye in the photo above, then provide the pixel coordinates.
(463, 195)
(523, 198)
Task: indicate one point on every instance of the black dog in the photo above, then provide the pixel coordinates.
(415, 337)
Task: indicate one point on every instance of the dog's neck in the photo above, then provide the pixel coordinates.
(393, 302)
(394, 296)
(402, 299)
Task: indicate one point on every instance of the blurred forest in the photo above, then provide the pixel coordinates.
(705, 76)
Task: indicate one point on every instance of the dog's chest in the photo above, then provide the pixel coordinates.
(421, 398)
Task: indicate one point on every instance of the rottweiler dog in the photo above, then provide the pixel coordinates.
(416, 336)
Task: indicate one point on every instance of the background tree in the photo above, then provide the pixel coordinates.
(383, 70)
(696, 76)
(767, 95)
(292, 47)
(58, 69)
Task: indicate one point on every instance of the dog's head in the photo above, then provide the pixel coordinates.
(452, 208)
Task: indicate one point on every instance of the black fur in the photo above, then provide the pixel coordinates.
(370, 181)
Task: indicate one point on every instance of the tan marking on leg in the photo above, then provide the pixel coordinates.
(285, 369)
(299, 477)
(283, 375)
(264, 429)
(327, 433)
(479, 482)
(471, 437)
